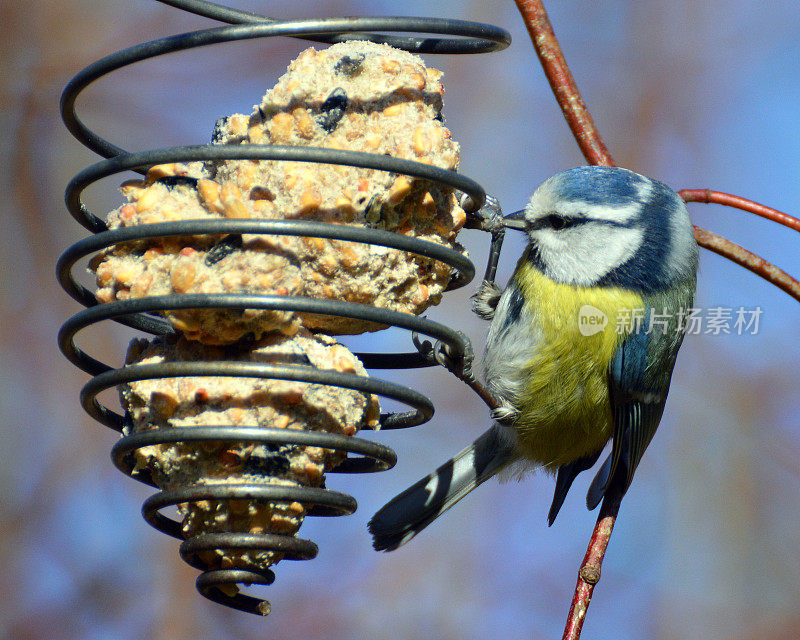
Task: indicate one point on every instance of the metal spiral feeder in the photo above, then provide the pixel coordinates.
(364, 455)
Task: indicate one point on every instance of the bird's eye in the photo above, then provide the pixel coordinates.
(557, 222)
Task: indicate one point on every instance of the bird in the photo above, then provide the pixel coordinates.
(581, 346)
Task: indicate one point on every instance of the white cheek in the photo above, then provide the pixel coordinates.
(583, 254)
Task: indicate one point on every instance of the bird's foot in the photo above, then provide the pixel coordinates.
(504, 414)
(457, 358)
(485, 299)
(488, 218)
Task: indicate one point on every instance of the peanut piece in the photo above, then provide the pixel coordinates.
(421, 143)
(163, 404)
(147, 200)
(305, 126)
(182, 276)
(132, 188)
(162, 171)
(237, 124)
(236, 209)
(393, 109)
(209, 191)
(417, 81)
(281, 127)
(230, 191)
(390, 66)
(399, 190)
(309, 200)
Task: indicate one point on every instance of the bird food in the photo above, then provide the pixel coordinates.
(165, 403)
(356, 96)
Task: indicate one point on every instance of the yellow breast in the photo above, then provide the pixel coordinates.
(565, 412)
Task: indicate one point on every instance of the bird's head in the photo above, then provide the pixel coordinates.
(609, 226)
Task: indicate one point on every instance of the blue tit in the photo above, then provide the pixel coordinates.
(581, 346)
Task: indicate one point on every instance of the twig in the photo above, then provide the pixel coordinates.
(734, 252)
(749, 261)
(589, 573)
(562, 83)
(482, 392)
(707, 196)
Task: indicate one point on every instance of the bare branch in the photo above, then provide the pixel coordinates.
(589, 573)
(707, 196)
(562, 83)
(749, 261)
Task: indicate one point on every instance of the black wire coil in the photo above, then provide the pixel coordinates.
(139, 313)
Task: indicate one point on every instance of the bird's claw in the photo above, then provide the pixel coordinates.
(488, 218)
(504, 414)
(486, 299)
(442, 353)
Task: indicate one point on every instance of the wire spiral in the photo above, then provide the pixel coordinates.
(363, 455)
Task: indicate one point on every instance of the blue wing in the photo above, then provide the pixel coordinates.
(637, 390)
(638, 382)
(637, 402)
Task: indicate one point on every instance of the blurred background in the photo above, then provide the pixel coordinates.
(696, 94)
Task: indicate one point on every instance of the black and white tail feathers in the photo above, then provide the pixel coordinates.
(566, 475)
(411, 511)
(600, 487)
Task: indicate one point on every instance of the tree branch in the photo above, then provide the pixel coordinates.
(749, 261)
(707, 196)
(734, 252)
(563, 84)
(589, 573)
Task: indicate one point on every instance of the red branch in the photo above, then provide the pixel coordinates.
(749, 261)
(589, 573)
(563, 84)
(707, 196)
(734, 252)
(594, 150)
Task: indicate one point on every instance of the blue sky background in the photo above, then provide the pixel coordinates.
(695, 94)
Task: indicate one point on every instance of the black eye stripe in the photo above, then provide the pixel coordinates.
(559, 222)
(556, 222)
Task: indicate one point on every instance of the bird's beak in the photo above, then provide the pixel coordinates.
(515, 220)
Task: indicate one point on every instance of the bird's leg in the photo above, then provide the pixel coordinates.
(459, 360)
(456, 358)
(489, 218)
